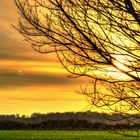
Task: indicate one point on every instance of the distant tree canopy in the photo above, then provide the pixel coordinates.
(99, 39)
(69, 121)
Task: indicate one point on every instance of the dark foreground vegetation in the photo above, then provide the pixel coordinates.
(69, 121)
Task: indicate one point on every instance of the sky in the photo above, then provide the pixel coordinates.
(29, 81)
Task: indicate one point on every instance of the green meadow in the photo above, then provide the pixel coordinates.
(62, 135)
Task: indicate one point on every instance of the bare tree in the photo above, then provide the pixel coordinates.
(99, 39)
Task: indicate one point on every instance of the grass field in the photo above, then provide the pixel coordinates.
(62, 135)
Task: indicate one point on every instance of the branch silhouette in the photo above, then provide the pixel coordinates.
(92, 38)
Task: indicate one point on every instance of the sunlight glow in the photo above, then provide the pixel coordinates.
(120, 62)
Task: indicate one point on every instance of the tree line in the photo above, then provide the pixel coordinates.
(69, 121)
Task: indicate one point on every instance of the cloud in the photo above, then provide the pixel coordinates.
(17, 52)
(15, 49)
(43, 99)
(29, 80)
(12, 46)
(12, 49)
(10, 40)
(16, 79)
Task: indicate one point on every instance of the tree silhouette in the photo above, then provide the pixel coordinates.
(99, 39)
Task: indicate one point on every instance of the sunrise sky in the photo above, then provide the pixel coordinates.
(32, 82)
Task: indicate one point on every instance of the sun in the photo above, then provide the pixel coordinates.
(120, 66)
(121, 61)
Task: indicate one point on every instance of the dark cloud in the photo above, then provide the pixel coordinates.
(14, 49)
(17, 79)
(12, 46)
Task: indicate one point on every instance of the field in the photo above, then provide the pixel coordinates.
(62, 135)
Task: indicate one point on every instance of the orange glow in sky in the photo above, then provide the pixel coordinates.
(32, 82)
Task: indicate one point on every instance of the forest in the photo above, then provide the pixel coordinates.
(70, 121)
